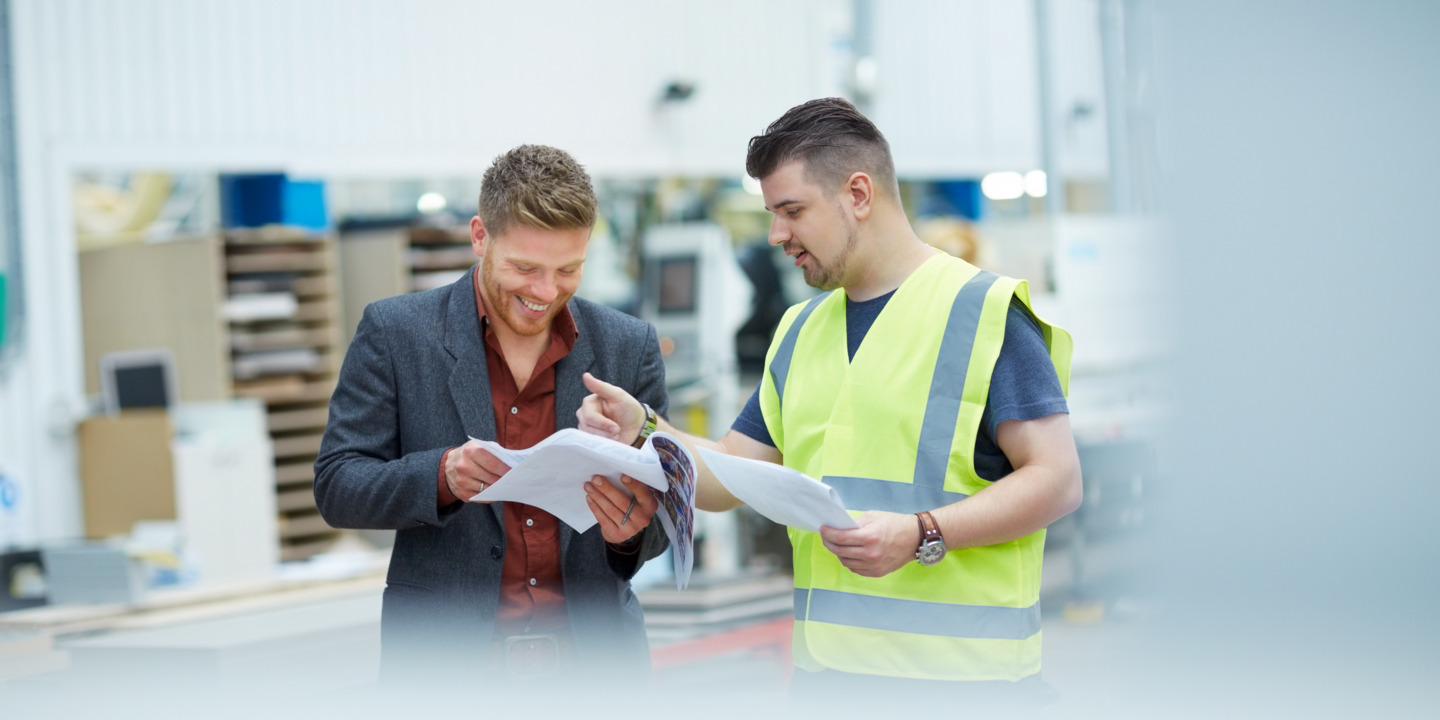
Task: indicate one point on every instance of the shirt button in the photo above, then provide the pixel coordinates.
(514, 410)
(496, 552)
(532, 582)
(529, 522)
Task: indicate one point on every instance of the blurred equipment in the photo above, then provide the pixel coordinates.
(1111, 280)
(88, 574)
(138, 379)
(752, 340)
(1101, 536)
(107, 213)
(207, 466)
(23, 573)
(696, 296)
(954, 236)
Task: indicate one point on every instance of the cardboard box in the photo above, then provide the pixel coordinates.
(126, 471)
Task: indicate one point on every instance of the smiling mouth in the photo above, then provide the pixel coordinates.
(532, 306)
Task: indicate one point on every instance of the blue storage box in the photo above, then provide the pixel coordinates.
(257, 199)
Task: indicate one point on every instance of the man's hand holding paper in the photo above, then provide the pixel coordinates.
(471, 468)
(622, 511)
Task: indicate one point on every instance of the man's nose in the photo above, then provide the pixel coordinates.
(778, 232)
(545, 289)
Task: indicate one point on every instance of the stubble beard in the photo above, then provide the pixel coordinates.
(832, 276)
(499, 305)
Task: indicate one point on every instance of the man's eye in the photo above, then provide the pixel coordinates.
(568, 271)
(792, 213)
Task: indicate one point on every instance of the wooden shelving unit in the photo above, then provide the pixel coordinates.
(289, 360)
(378, 264)
(438, 256)
(190, 296)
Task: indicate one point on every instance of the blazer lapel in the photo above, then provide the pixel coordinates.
(470, 377)
(570, 392)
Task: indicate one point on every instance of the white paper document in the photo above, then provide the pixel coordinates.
(787, 496)
(552, 474)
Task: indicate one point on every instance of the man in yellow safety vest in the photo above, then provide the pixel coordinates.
(929, 394)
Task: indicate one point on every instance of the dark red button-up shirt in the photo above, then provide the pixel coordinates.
(532, 594)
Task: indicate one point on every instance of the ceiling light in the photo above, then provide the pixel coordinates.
(1035, 185)
(1003, 185)
(431, 203)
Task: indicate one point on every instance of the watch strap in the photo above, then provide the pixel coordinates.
(929, 529)
(647, 428)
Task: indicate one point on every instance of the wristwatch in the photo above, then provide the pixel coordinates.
(647, 428)
(932, 547)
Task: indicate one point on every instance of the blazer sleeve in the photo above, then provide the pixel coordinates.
(361, 479)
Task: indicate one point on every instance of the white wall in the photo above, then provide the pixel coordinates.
(1078, 89)
(432, 86)
(956, 90)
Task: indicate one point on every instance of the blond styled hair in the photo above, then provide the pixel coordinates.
(536, 186)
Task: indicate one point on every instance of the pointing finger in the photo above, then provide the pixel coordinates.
(606, 391)
(598, 386)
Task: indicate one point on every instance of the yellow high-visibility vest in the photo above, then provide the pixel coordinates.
(894, 429)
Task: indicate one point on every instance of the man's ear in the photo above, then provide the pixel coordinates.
(861, 190)
(478, 236)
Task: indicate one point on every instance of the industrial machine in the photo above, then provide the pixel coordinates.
(697, 297)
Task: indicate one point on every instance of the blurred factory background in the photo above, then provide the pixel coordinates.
(1227, 204)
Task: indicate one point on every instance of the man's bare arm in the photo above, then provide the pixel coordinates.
(1044, 487)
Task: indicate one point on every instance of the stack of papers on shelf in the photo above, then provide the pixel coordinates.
(250, 307)
(248, 339)
(261, 283)
(249, 365)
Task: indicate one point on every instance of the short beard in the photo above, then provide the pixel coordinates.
(831, 277)
(505, 310)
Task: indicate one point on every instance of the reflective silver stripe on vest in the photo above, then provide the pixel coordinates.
(947, 385)
(861, 493)
(780, 366)
(917, 616)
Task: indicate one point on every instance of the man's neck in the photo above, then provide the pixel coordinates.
(521, 352)
(890, 253)
(515, 345)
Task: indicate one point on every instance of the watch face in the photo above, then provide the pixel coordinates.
(931, 552)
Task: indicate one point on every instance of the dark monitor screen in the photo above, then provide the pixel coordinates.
(141, 386)
(677, 285)
(138, 379)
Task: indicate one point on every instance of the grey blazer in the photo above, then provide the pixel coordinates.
(414, 383)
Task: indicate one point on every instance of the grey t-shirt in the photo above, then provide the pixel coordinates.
(1023, 386)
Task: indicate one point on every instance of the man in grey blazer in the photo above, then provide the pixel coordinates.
(485, 593)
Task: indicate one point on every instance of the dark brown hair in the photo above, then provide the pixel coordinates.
(537, 186)
(832, 138)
